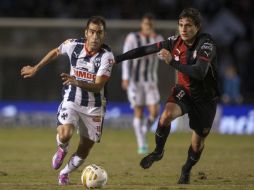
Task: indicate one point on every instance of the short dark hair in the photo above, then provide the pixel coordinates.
(192, 13)
(96, 20)
(149, 16)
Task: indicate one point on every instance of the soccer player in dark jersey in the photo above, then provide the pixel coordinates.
(193, 54)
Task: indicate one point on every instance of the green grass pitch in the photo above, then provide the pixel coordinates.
(25, 162)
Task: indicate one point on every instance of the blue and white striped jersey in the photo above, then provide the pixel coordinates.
(86, 67)
(143, 69)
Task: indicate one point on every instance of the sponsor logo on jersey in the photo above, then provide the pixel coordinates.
(177, 54)
(84, 75)
(172, 38)
(207, 46)
(206, 53)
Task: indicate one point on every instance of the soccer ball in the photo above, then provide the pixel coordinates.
(94, 177)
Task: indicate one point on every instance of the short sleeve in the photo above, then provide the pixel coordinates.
(106, 66)
(66, 46)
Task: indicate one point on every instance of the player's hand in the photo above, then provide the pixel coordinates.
(125, 84)
(165, 55)
(28, 71)
(69, 80)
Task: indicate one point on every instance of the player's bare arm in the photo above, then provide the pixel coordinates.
(29, 71)
(100, 81)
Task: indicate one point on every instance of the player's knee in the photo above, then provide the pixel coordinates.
(197, 146)
(65, 132)
(166, 118)
(154, 112)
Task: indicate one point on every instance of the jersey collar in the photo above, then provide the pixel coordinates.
(90, 53)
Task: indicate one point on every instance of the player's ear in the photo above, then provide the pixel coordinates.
(85, 33)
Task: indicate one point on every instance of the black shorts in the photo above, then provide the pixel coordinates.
(201, 114)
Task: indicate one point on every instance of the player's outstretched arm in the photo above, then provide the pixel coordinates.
(29, 71)
(139, 52)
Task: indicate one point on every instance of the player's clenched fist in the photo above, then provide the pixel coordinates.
(165, 55)
(28, 71)
(68, 79)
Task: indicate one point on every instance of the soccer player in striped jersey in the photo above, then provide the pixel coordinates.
(139, 78)
(193, 54)
(84, 95)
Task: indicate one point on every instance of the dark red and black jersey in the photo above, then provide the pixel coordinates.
(196, 65)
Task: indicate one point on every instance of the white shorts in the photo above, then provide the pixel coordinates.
(143, 94)
(87, 125)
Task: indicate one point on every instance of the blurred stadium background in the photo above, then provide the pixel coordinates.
(29, 29)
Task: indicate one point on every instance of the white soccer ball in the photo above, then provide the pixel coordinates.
(94, 176)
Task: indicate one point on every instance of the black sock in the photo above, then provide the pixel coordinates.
(192, 159)
(161, 136)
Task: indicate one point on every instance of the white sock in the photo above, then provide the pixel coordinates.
(144, 129)
(74, 162)
(137, 124)
(64, 146)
